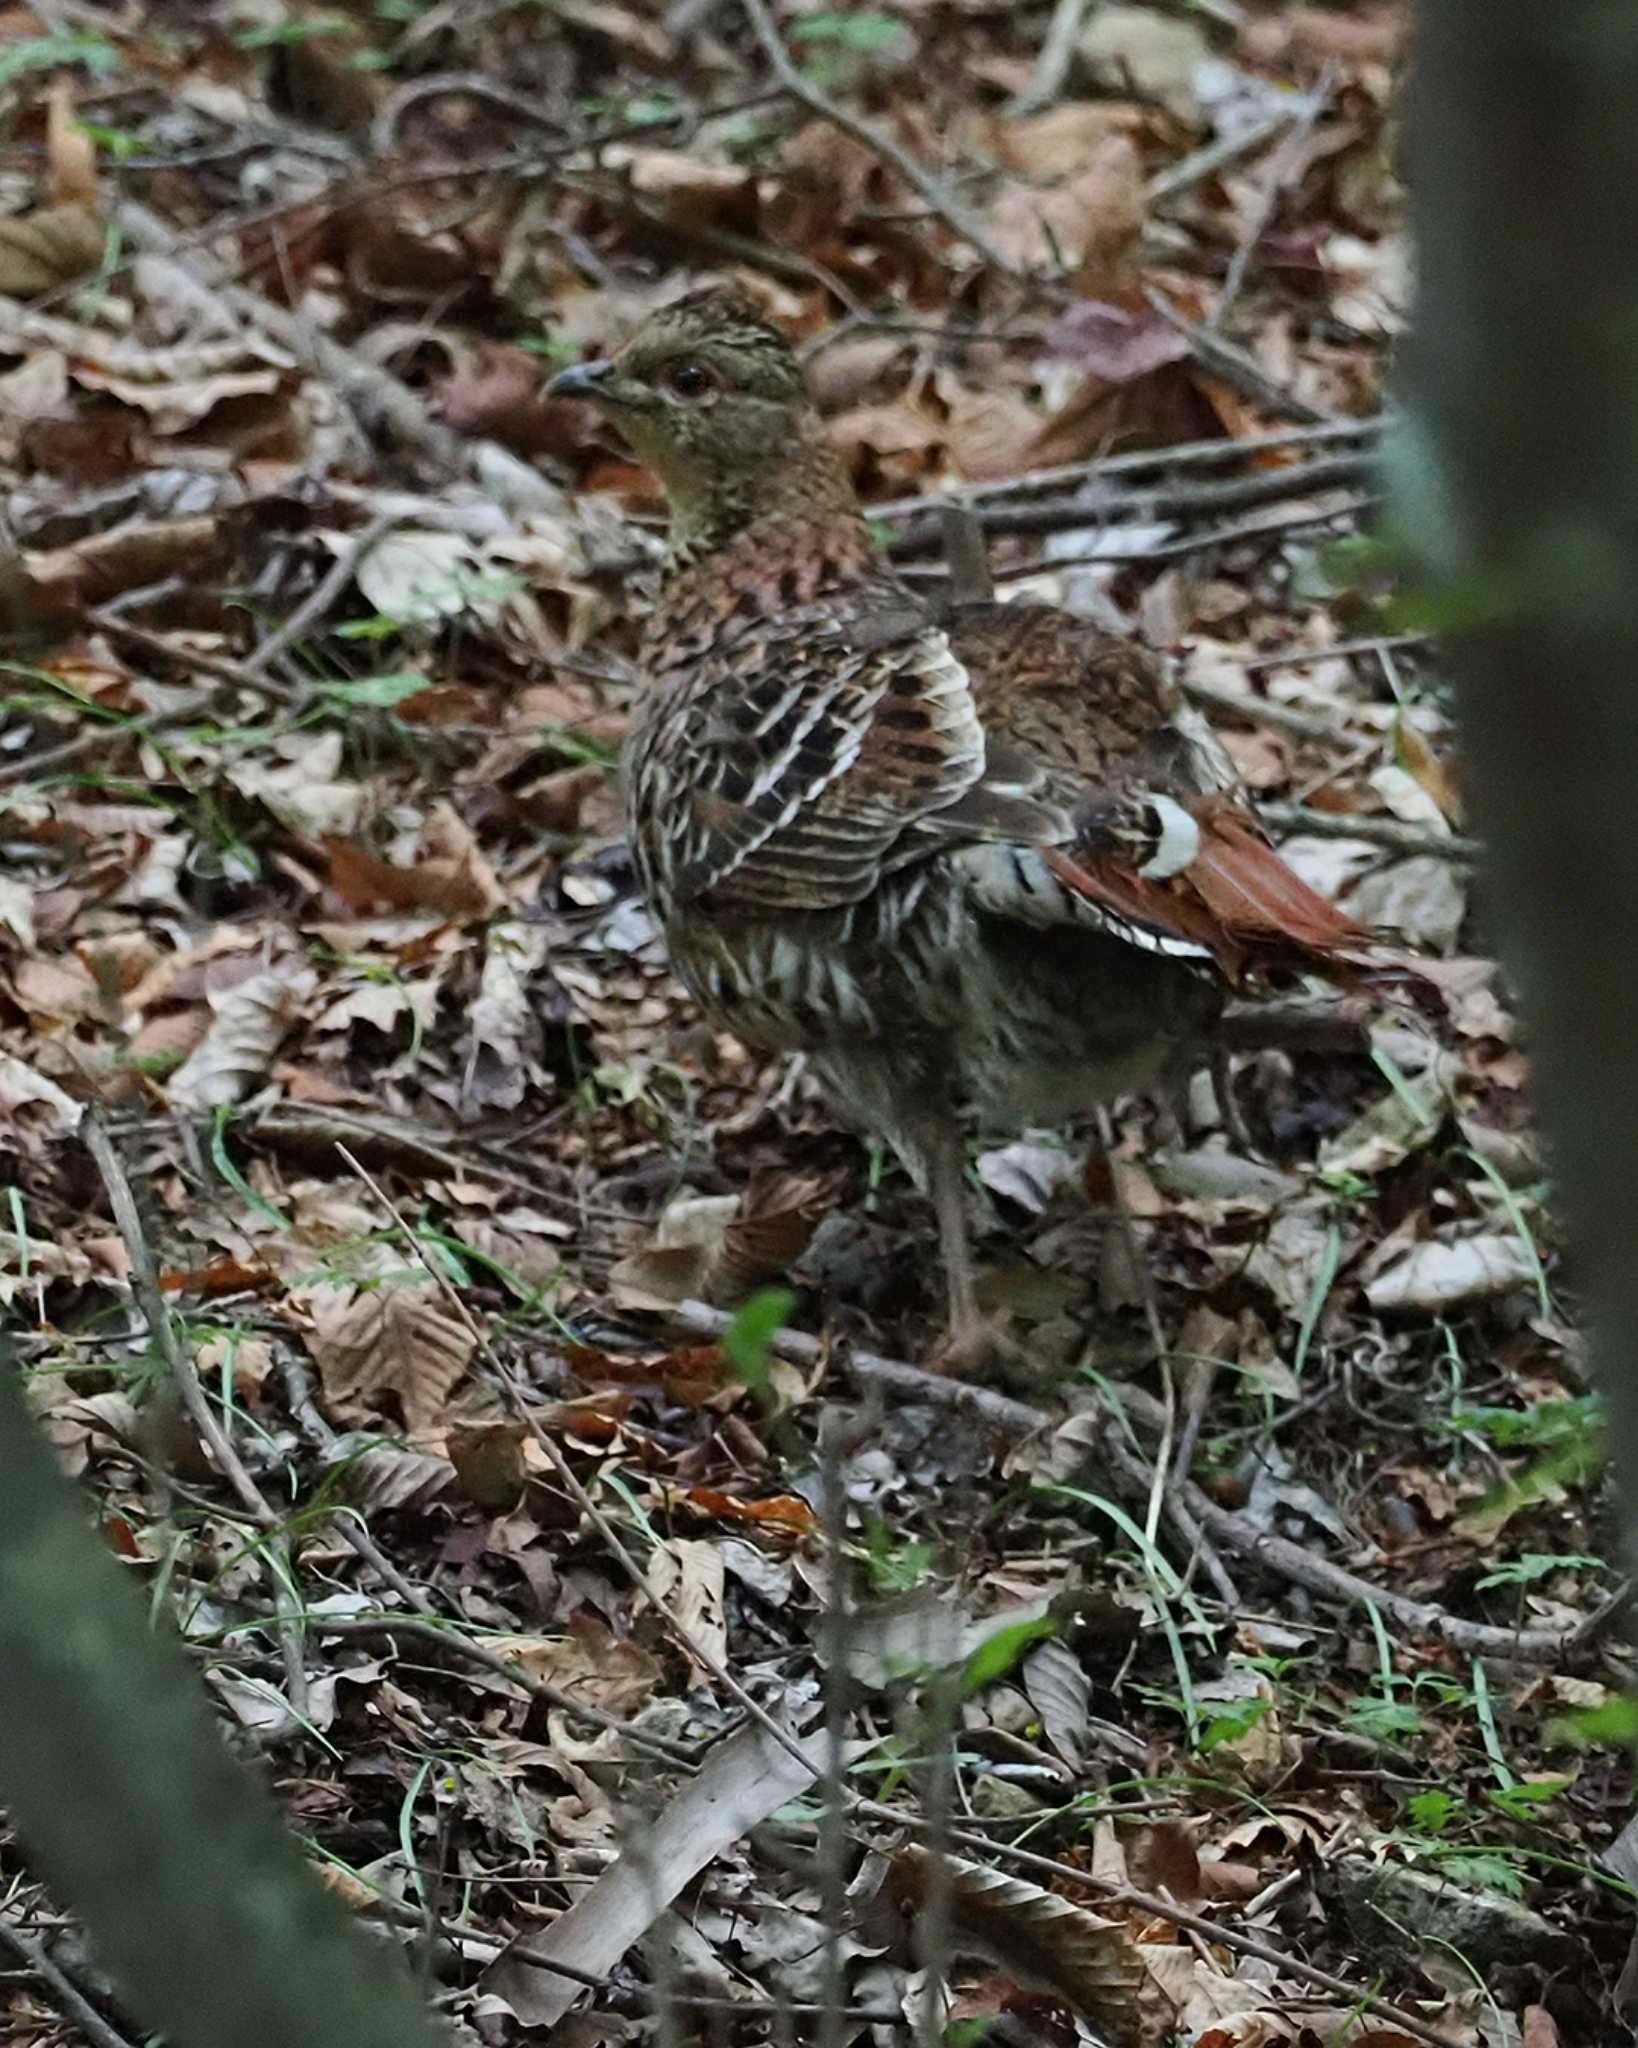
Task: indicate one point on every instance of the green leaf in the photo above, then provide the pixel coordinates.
(48, 53)
(1383, 1718)
(377, 693)
(1613, 1724)
(1432, 1812)
(1231, 1724)
(865, 32)
(998, 1653)
(1533, 1565)
(222, 1160)
(756, 1322)
(1519, 1800)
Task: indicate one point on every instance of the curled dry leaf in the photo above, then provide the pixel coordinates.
(391, 1339)
(686, 1576)
(249, 1023)
(1044, 1942)
(1440, 1275)
(34, 1112)
(590, 1663)
(719, 1249)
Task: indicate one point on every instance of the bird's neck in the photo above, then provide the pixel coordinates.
(717, 507)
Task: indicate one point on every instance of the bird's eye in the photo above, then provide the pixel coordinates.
(688, 379)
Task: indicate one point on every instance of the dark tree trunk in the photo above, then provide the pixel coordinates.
(1518, 482)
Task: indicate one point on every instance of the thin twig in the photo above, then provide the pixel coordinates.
(421, 1629)
(689, 1644)
(1226, 1933)
(802, 89)
(1216, 156)
(1257, 529)
(1261, 711)
(1309, 657)
(999, 1411)
(1163, 502)
(241, 674)
(1384, 832)
(325, 594)
(1232, 1530)
(75, 2005)
(1235, 366)
(1046, 81)
(1284, 166)
(185, 1377)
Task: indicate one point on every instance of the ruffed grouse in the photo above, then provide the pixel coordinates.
(977, 861)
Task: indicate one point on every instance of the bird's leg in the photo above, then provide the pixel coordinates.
(969, 1341)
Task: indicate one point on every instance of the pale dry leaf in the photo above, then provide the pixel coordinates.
(71, 155)
(686, 1577)
(1060, 1691)
(505, 1031)
(306, 790)
(393, 1339)
(742, 1781)
(1440, 1274)
(590, 1663)
(34, 1112)
(1089, 224)
(49, 247)
(416, 575)
(1058, 143)
(1028, 1173)
(1158, 56)
(248, 1025)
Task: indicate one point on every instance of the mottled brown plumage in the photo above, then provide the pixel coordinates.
(980, 863)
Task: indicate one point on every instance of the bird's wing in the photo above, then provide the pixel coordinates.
(815, 744)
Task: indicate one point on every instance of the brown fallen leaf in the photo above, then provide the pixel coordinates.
(249, 1023)
(393, 1339)
(590, 1663)
(450, 876)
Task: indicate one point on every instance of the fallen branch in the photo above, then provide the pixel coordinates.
(1232, 1530)
(1177, 501)
(1385, 832)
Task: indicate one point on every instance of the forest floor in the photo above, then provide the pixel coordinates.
(515, 1392)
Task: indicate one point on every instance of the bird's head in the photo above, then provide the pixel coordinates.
(710, 394)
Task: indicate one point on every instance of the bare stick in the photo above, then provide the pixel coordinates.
(1384, 832)
(1280, 173)
(1232, 1530)
(75, 2005)
(185, 1377)
(1260, 711)
(1211, 454)
(949, 210)
(1046, 81)
(1235, 366)
(1177, 501)
(324, 595)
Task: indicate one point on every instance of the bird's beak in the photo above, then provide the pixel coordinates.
(581, 380)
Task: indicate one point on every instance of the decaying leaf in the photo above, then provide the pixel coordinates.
(398, 1339)
(1042, 1940)
(247, 1027)
(34, 1112)
(1441, 1273)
